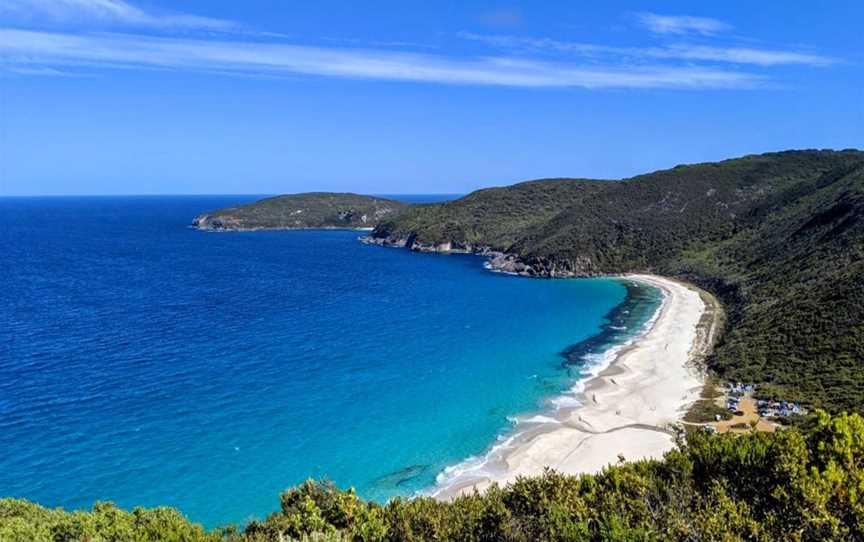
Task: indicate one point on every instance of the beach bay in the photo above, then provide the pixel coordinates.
(152, 364)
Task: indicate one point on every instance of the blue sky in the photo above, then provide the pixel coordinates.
(152, 97)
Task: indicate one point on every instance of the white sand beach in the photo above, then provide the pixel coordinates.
(626, 410)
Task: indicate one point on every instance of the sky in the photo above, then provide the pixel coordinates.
(105, 97)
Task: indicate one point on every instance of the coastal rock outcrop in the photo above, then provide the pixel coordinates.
(501, 261)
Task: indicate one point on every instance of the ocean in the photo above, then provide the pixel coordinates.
(148, 363)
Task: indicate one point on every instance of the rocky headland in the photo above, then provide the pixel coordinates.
(313, 210)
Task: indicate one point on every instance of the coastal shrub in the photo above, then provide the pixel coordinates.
(22, 521)
(804, 483)
(317, 509)
(334, 536)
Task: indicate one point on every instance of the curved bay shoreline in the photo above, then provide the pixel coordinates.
(627, 410)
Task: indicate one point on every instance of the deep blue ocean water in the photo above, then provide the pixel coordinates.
(147, 363)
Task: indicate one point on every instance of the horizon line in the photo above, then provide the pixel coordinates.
(214, 194)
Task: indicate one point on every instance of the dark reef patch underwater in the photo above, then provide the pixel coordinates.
(621, 323)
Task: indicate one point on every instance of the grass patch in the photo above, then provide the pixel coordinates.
(706, 410)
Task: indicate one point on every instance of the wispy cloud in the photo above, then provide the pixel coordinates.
(31, 49)
(732, 55)
(681, 24)
(195, 43)
(108, 12)
(47, 72)
(742, 55)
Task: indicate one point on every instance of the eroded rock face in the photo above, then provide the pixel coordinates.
(496, 260)
(207, 222)
(542, 267)
(412, 243)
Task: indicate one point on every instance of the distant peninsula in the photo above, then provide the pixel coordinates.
(311, 210)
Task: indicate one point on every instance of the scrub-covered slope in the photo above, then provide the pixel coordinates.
(493, 217)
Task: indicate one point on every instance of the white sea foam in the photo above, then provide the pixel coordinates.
(484, 466)
(488, 266)
(535, 419)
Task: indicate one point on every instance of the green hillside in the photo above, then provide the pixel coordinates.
(778, 237)
(303, 211)
(493, 216)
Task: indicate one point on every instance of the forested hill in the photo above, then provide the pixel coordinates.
(303, 211)
(778, 237)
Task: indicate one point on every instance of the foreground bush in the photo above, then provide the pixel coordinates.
(790, 485)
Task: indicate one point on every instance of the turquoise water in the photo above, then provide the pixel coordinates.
(149, 364)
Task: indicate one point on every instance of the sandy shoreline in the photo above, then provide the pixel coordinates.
(626, 410)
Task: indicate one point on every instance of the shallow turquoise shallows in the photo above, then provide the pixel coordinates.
(149, 364)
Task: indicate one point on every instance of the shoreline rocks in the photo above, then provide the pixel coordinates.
(503, 262)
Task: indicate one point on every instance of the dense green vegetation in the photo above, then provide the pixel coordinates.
(791, 485)
(779, 238)
(302, 211)
(493, 216)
